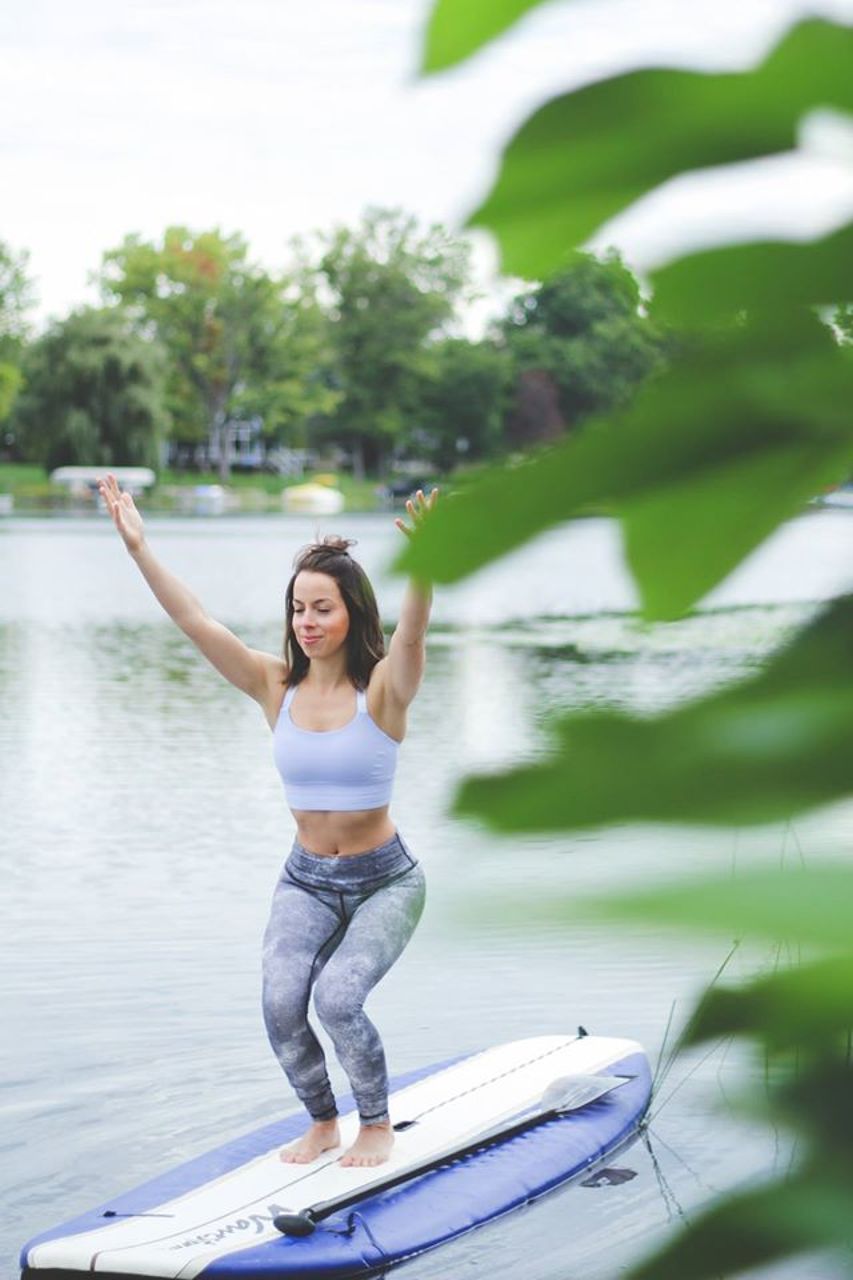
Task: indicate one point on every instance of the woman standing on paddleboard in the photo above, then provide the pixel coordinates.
(351, 892)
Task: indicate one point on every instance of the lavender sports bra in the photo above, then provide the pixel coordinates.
(336, 769)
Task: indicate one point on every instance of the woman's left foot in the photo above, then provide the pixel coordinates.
(372, 1146)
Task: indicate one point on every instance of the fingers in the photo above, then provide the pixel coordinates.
(108, 487)
(417, 508)
(117, 501)
(426, 504)
(104, 491)
(111, 505)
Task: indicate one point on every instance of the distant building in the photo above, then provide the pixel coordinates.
(248, 450)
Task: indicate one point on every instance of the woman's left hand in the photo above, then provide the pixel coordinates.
(418, 508)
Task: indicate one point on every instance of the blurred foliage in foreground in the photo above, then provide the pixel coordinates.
(749, 420)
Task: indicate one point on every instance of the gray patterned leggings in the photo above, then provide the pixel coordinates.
(337, 924)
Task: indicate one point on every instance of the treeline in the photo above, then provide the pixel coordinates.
(359, 344)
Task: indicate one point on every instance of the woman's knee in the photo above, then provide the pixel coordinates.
(337, 1002)
(285, 1009)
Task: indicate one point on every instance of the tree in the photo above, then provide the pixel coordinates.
(463, 403)
(16, 298)
(295, 384)
(581, 346)
(388, 288)
(236, 337)
(585, 292)
(93, 395)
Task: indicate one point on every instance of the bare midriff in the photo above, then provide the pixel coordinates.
(343, 833)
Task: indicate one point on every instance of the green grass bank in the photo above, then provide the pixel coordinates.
(31, 491)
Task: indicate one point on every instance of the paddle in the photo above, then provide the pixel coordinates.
(568, 1093)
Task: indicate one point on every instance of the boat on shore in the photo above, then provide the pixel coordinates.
(312, 499)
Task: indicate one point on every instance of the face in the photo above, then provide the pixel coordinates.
(320, 618)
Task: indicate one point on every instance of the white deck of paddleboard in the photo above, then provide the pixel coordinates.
(451, 1106)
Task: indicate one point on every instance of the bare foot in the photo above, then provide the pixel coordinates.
(322, 1136)
(372, 1146)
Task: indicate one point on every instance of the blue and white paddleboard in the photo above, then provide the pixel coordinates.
(474, 1138)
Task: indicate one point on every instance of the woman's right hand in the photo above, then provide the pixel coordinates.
(123, 510)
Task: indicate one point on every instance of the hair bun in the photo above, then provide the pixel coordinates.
(331, 545)
(336, 543)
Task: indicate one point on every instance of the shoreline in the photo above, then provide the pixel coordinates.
(26, 490)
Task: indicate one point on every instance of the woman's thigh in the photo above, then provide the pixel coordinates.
(377, 933)
(301, 931)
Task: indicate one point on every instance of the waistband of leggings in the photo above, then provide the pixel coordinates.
(354, 870)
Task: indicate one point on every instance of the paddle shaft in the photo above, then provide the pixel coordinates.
(565, 1094)
(316, 1213)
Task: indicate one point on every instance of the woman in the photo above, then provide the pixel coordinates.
(351, 892)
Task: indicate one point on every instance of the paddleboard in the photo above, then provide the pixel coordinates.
(474, 1138)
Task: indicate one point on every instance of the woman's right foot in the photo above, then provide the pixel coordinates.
(322, 1136)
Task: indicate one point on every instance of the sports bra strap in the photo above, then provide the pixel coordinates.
(360, 699)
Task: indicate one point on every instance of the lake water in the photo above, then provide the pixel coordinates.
(143, 826)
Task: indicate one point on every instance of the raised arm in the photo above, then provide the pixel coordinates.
(248, 669)
(407, 650)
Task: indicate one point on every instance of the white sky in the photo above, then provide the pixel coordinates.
(278, 117)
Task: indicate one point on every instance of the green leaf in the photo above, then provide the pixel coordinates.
(809, 1005)
(768, 276)
(809, 1211)
(817, 1099)
(742, 503)
(760, 751)
(711, 457)
(458, 28)
(812, 905)
(586, 156)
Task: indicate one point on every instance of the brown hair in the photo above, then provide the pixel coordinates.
(365, 643)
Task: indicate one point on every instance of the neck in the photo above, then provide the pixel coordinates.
(327, 674)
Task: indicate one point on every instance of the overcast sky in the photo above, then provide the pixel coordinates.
(275, 117)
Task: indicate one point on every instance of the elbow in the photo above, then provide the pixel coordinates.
(192, 622)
